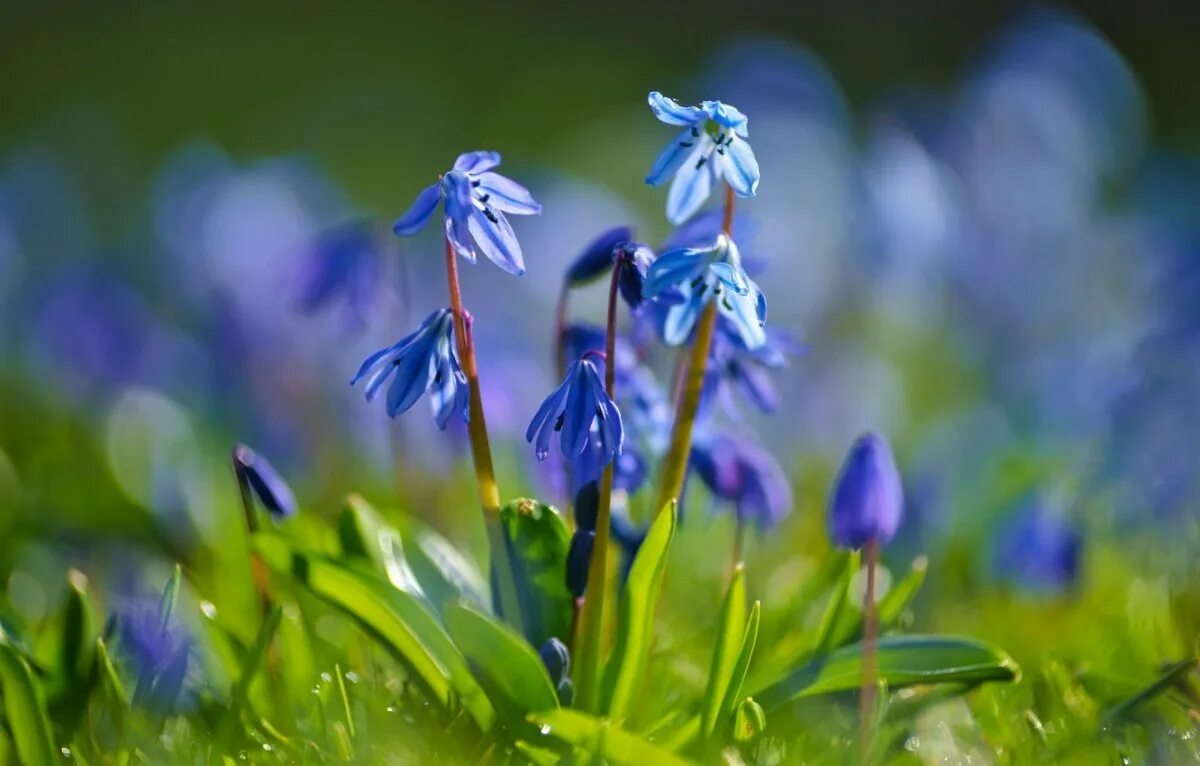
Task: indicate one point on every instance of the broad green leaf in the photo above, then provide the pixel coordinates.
(25, 711)
(900, 661)
(76, 655)
(444, 573)
(1163, 683)
(538, 541)
(400, 621)
(626, 668)
(731, 626)
(602, 739)
(505, 664)
(295, 651)
(733, 694)
(363, 534)
(889, 608)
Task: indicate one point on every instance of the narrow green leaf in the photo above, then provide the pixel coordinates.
(76, 655)
(731, 626)
(602, 739)
(296, 660)
(170, 597)
(626, 667)
(900, 661)
(444, 573)
(400, 621)
(733, 694)
(823, 640)
(254, 660)
(25, 710)
(1160, 685)
(363, 534)
(538, 540)
(507, 667)
(889, 608)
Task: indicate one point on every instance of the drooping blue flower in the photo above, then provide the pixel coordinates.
(868, 500)
(737, 373)
(711, 148)
(425, 361)
(476, 199)
(341, 261)
(1039, 548)
(687, 279)
(613, 247)
(557, 660)
(272, 491)
(572, 410)
(739, 472)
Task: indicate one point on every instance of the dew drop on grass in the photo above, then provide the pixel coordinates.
(544, 729)
(66, 751)
(352, 677)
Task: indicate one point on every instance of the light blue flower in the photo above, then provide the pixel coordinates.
(476, 200)
(572, 410)
(710, 148)
(687, 279)
(424, 361)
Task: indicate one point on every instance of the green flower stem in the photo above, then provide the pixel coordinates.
(866, 708)
(592, 618)
(675, 465)
(481, 451)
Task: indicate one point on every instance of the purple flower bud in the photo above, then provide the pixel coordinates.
(579, 556)
(868, 501)
(272, 491)
(556, 658)
(587, 506)
(597, 258)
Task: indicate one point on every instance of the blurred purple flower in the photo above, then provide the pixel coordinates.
(1039, 548)
(157, 651)
(342, 262)
(738, 471)
(868, 500)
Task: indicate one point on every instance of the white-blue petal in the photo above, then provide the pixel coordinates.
(738, 167)
(459, 235)
(742, 313)
(476, 162)
(418, 213)
(508, 195)
(672, 112)
(731, 276)
(693, 183)
(497, 241)
(672, 268)
(680, 320)
(674, 155)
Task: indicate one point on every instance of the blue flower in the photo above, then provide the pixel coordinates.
(342, 260)
(423, 361)
(687, 279)
(710, 148)
(740, 472)
(157, 650)
(557, 660)
(1039, 548)
(610, 248)
(272, 491)
(581, 412)
(734, 369)
(868, 501)
(579, 557)
(476, 200)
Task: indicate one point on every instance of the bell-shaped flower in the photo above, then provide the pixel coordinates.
(711, 148)
(425, 361)
(738, 471)
(476, 199)
(264, 481)
(868, 501)
(611, 248)
(572, 410)
(688, 279)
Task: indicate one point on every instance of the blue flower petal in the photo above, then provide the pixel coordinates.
(597, 258)
(476, 162)
(497, 240)
(675, 154)
(414, 374)
(681, 318)
(726, 116)
(742, 313)
(542, 425)
(508, 195)
(692, 185)
(580, 410)
(671, 112)
(418, 213)
(673, 268)
(731, 276)
(738, 167)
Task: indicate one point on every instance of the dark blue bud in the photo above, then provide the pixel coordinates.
(635, 262)
(556, 658)
(566, 691)
(597, 258)
(868, 501)
(272, 491)
(1039, 548)
(587, 506)
(579, 557)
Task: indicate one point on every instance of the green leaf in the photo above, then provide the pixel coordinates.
(76, 655)
(745, 652)
(889, 608)
(363, 534)
(25, 710)
(254, 660)
(824, 639)
(1163, 683)
(602, 739)
(730, 628)
(538, 541)
(900, 661)
(401, 622)
(505, 664)
(444, 573)
(626, 668)
(170, 597)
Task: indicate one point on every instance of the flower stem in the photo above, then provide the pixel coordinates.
(675, 464)
(481, 450)
(592, 617)
(560, 329)
(866, 710)
(258, 569)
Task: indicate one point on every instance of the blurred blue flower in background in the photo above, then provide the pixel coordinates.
(713, 128)
(157, 651)
(342, 264)
(596, 259)
(476, 200)
(425, 361)
(581, 412)
(272, 491)
(1038, 548)
(737, 471)
(868, 500)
